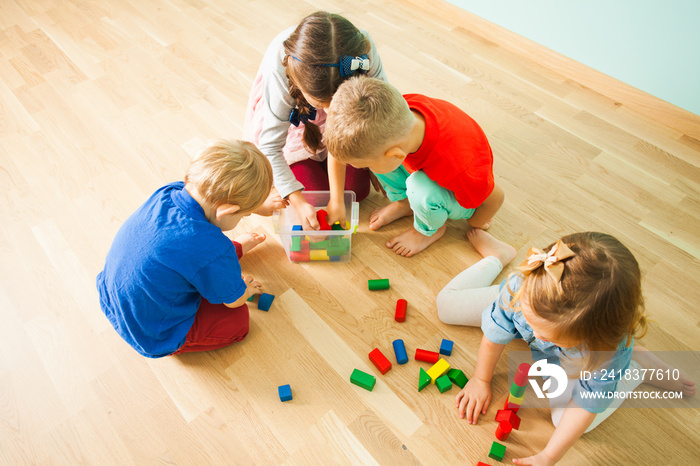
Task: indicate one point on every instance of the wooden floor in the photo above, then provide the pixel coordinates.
(103, 101)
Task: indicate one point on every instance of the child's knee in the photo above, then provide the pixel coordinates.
(443, 306)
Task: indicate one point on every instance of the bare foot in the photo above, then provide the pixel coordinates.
(411, 242)
(385, 215)
(249, 240)
(652, 362)
(487, 245)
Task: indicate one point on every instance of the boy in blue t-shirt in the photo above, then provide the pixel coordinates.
(172, 282)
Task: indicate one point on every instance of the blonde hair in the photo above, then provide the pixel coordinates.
(231, 172)
(366, 115)
(320, 39)
(598, 301)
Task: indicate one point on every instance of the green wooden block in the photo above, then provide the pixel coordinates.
(340, 243)
(457, 377)
(363, 379)
(380, 284)
(319, 244)
(498, 451)
(423, 379)
(337, 226)
(517, 391)
(443, 383)
(296, 244)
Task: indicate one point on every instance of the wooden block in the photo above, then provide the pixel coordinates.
(400, 351)
(302, 255)
(322, 217)
(427, 356)
(503, 430)
(379, 360)
(511, 406)
(285, 392)
(318, 255)
(265, 301)
(439, 369)
(517, 391)
(457, 377)
(423, 379)
(515, 400)
(379, 284)
(296, 244)
(443, 383)
(520, 378)
(509, 416)
(400, 315)
(363, 379)
(498, 451)
(446, 347)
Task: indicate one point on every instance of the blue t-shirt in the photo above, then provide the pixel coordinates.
(165, 257)
(501, 325)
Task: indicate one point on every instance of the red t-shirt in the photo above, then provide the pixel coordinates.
(455, 152)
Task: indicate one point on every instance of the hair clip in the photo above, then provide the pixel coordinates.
(347, 64)
(297, 117)
(552, 260)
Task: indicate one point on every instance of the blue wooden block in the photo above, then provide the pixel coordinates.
(296, 228)
(446, 347)
(265, 301)
(285, 392)
(400, 351)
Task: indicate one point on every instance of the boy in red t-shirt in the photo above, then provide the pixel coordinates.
(433, 160)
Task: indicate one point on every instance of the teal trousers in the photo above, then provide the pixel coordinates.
(432, 204)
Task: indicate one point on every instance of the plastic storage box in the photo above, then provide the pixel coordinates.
(322, 245)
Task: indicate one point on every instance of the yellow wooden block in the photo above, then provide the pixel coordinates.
(439, 369)
(516, 400)
(318, 255)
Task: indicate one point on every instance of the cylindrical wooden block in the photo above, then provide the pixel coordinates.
(427, 356)
(400, 351)
(503, 430)
(520, 378)
(517, 391)
(401, 306)
(379, 284)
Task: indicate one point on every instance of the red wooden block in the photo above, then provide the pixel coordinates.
(503, 430)
(427, 356)
(509, 416)
(400, 315)
(379, 360)
(322, 217)
(511, 406)
(481, 464)
(520, 378)
(303, 255)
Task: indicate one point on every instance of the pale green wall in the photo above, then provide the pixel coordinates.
(654, 45)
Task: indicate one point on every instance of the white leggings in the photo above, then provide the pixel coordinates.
(462, 301)
(467, 295)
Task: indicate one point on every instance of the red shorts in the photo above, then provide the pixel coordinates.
(216, 325)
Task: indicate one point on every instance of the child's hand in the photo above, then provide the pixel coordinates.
(253, 286)
(336, 212)
(273, 202)
(539, 459)
(307, 216)
(474, 399)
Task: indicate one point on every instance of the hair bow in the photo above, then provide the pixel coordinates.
(552, 260)
(297, 117)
